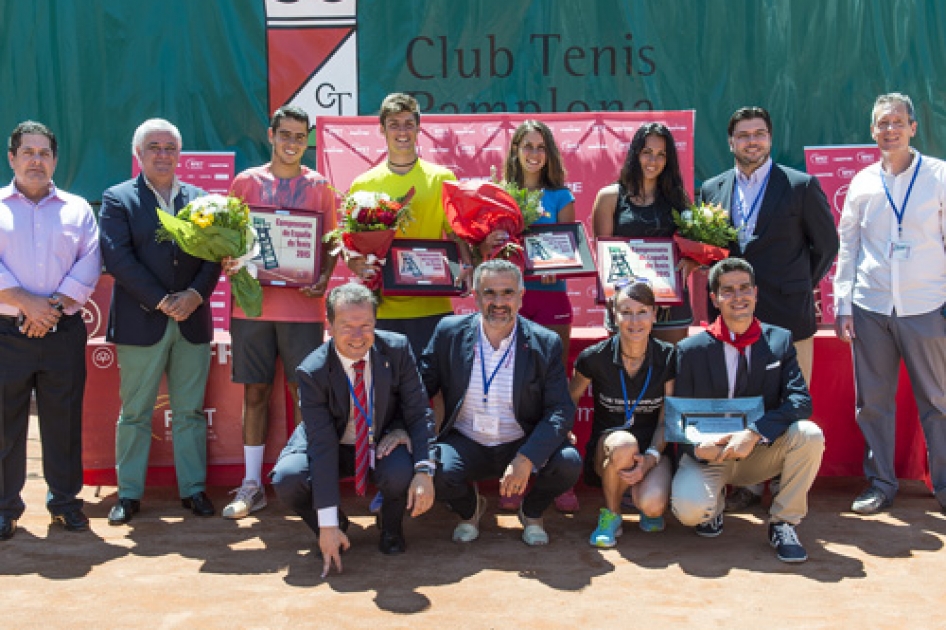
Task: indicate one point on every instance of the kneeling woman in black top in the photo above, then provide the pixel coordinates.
(630, 373)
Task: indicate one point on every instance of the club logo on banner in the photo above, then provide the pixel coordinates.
(593, 147)
(835, 167)
(312, 56)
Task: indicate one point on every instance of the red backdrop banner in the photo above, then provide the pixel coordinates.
(835, 167)
(593, 146)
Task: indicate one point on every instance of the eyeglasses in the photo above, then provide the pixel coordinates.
(757, 136)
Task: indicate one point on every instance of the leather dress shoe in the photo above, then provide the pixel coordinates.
(74, 521)
(392, 543)
(122, 511)
(7, 527)
(199, 503)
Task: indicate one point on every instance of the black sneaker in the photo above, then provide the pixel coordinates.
(711, 528)
(783, 538)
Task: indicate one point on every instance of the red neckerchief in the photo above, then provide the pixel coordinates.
(719, 330)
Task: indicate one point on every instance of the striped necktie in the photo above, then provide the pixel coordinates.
(361, 430)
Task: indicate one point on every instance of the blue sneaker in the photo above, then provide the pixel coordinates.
(783, 538)
(711, 528)
(651, 524)
(608, 530)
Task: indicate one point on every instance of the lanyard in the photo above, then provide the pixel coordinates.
(629, 412)
(364, 412)
(899, 212)
(489, 381)
(755, 202)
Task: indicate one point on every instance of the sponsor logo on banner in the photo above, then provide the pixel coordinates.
(817, 158)
(838, 201)
(846, 173)
(103, 357)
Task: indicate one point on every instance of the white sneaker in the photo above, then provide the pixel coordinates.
(250, 497)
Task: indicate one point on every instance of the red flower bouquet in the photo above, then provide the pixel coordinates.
(369, 222)
(475, 209)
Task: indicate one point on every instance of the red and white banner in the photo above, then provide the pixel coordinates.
(593, 147)
(835, 167)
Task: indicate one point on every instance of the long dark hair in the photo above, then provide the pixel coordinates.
(553, 173)
(669, 182)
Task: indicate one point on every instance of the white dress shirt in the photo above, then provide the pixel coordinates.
(748, 191)
(498, 403)
(866, 274)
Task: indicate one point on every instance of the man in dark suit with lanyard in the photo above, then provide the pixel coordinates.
(159, 320)
(364, 413)
(786, 233)
(508, 411)
(737, 356)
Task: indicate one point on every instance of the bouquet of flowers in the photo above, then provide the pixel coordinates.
(476, 209)
(212, 228)
(704, 233)
(369, 222)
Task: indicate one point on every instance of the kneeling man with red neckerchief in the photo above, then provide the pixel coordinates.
(737, 356)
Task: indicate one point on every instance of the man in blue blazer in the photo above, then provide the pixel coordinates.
(371, 373)
(787, 235)
(508, 412)
(159, 320)
(740, 357)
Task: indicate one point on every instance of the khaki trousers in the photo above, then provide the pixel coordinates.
(697, 493)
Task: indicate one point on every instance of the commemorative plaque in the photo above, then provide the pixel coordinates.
(290, 245)
(655, 259)
(696, 420)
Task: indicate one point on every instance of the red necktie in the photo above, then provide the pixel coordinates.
(361, 430)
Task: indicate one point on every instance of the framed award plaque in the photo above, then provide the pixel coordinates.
(622, 260)
(421, 267)
(290, 245)
(557, 248)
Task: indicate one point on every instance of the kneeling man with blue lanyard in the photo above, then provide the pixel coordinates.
(364, 414)
(508, 412)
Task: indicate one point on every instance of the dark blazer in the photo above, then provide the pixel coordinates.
(794, 244)
(543, 406)
(773, 374)
(325, 401)
(145, 270)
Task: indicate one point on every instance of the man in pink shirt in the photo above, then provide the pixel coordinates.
(292, 323)
(49, 265)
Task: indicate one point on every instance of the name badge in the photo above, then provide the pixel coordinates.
(898, 250)
(371, 456)
(486, 423)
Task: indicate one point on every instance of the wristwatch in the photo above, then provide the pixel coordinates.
(427, 469)
(655, 453)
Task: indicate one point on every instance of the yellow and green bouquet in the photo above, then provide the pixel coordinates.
(214, 227)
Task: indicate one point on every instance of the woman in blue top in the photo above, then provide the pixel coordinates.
(535, 163)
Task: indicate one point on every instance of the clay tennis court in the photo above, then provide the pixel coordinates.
(169, 569)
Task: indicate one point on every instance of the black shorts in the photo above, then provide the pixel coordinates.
(255, 345)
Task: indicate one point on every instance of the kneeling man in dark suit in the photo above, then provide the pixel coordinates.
(740, 357)
(508, 411)
(364, 413)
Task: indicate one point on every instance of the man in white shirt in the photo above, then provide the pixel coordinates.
(508, 411)
(890, 295)
(364, 414)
